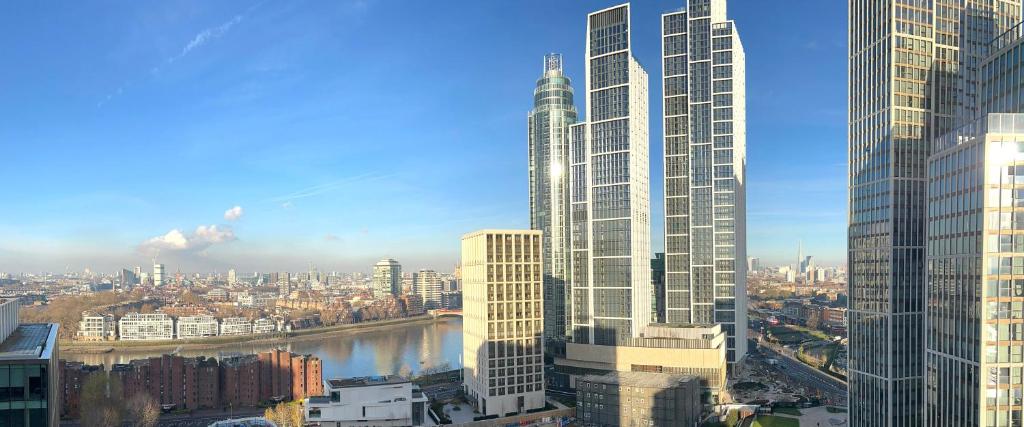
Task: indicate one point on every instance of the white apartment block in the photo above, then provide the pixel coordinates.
(502, 328)
(142, 327)
(235, 326)
(97, 327)
(368, 401)
(196, 326)
(427, 284)
(264, 325)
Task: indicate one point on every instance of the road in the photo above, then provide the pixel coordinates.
(196, 419)
(809, 376)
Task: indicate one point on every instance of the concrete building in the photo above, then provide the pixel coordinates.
(387, 278)
(699, 351)
(610, 185)
(548, 126)
(141, 327)
(368, 402)
(912, 77)
(196, 326)
(232, 277)
(29, 359)
(427, 284)
(235, 326)
(705, 161)
(638, 399)
(96, 327)
(502, 334)
(158, 274)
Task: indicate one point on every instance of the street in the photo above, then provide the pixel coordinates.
(833, 388)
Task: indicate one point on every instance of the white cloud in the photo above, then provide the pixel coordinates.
(176, 241)
(331, 237)
(233, 214)
(205, 36)
(286, 205)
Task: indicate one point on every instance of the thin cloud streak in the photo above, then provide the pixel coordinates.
(326, 188)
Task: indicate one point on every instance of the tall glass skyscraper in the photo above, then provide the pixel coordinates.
(912, 76)
(704, 89)
(610, 190)
(553, 112)
(974, 359)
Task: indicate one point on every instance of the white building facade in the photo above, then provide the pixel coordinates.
(235, 326)
(196, 326)
(502, 331)
(389, 401)
(144, 327)
(704, 89)
(97, 327)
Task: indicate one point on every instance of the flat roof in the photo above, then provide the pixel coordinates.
(366, 381)
(640, 379)
(30, 341)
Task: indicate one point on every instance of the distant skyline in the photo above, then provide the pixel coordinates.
(264, 136)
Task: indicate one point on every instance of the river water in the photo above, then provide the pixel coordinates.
(366, 352)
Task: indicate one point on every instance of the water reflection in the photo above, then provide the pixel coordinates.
(387, 351)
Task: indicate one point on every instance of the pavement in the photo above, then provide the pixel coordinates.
(195, 419)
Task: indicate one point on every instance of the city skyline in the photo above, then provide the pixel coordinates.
(242, 199)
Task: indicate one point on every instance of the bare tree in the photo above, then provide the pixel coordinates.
(144, 410)
(101, 402)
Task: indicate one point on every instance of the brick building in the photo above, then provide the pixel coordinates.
(73, 376)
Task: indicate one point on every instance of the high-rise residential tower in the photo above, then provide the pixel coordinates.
(387, 278)
(974, 361)
(912, 76)
(553, 112)
(704, 89)
(502, 332)
(427, 284)
(610, 185)
(158, 274)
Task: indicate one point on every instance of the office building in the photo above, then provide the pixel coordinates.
(29, 359)
(973, 364)
(368, 401)
(704, 90)
(387, 278)
(428, 285)
(610, 183)
(143, 327)
(96, 327)
(235, 326)
(502, 331)
(548, 126)
(912, 77)
(638, 399)
(232, 277)
(753, 264)
(196, 326)
(158, 274)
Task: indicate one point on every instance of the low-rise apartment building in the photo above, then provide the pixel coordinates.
(368, 401)
(143, 327)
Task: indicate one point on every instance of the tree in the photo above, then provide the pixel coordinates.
(286, 414)
(101, 402)
(144, 409)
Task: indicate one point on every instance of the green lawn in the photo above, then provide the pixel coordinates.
(788, 411)
(773, 421)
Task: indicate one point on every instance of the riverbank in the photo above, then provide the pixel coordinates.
(209, 343)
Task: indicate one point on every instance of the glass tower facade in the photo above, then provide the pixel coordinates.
(704, 89)
(553, 112)
(913, 68)
(610, 190)
(976, 255)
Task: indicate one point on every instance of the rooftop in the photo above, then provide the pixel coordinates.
(366, 381)
(30, 341)
(640, 379)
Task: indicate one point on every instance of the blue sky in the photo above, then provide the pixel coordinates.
(347, 131)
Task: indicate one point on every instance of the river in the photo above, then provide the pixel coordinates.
(359, 353)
